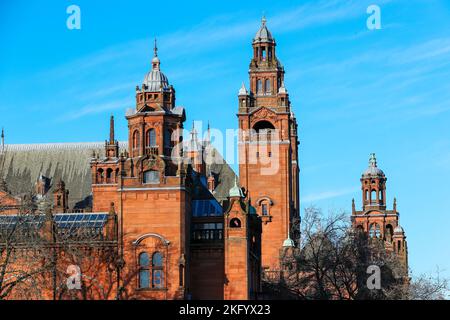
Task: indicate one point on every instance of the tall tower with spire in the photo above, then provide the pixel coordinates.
(375, 219)
(150, 191)
(268, 154)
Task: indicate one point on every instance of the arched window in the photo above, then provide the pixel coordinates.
(263, 125)
(264, 209)
(136, 139)
(100, 175)
(373, 196)
(399, 246)
(151, 138)
(381, 195)
(259, 86)
(366, 195)
(267, 86)
(389, 232)
(117, 176)
(109, 172)
(144, 270)
(235, 223)
(265, 130)
(374, 230)
(157, 270)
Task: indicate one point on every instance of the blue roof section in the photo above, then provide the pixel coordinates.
(62, 220)
(80, 220)
(9, 221)
(206, 208)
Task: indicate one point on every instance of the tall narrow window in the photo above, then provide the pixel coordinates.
(264, 210)
(100, 176)
(136, 139)
(373, 196)
(144, 270)
(109, 172)
(181, 271)
(389, 232)
(167, 138)
(151, 138)
(157, 271)
(259, 86)
(268, 88)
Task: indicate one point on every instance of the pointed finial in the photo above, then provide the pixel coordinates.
(243, 90)
(235, 191)
(3, 140)
(111, 130)
(155, 49)
(373, 160)
(263, 20)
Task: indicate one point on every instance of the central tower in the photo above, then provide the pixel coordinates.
(268, 154)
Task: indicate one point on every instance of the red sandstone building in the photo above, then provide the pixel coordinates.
(375, 219)
(180, 226)
(183, 228)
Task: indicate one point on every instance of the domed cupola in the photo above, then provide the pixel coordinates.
(373, 184)
(263, 34)
(373, 170)
(399, 230)
(155, 80)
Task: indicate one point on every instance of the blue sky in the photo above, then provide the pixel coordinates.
(354, 91)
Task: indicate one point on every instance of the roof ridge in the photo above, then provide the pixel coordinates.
(59, 145)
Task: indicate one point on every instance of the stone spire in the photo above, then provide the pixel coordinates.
(243, 90)
(155, 61)
(194, 139)
(111, 146)
(111, 130)
(3, 140)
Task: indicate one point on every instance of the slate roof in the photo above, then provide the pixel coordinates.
(70, 162)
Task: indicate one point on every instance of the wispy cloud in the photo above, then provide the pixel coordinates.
(95, 109)
(324, 195)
